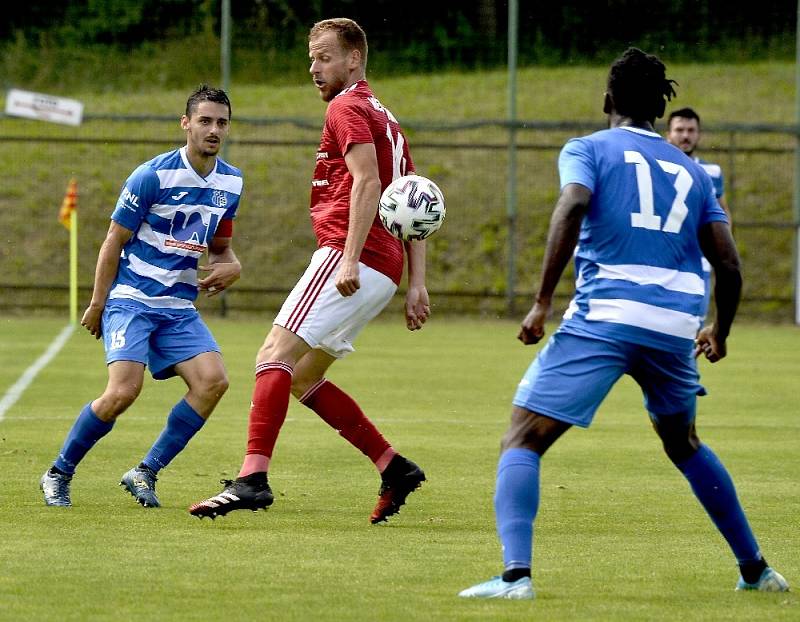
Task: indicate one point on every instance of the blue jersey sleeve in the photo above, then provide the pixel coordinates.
(719, 185)
(230, 213)
(233, 191)
(712, 210)
(576, 164)
(138, 194)
(715, 172)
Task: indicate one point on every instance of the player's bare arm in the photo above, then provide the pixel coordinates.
(362, 163)
(562, 237)
(720, 250)
(418, 307)
(104, 275)
(724, 205)
(223, 267)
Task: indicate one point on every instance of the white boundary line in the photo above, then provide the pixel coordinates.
(18, 388)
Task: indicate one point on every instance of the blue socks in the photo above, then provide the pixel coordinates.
(182, 424)
(85, 432)
(516, 501)
(714, 489)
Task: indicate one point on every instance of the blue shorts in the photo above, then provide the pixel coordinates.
(158, 338)
(572, 375)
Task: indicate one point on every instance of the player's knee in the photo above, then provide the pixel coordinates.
(264, 353)
(680, 452)
(282, 345)
(214, 386)
(302, 382)
(512, 439)
(515, 438)
(679, 444)
(221, 385)
(116, 401)
(269, 349)
(299, 388)
(531, 431)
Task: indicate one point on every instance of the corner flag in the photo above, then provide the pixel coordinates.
(68, 216)
(69, 204)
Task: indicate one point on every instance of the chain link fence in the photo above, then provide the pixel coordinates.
(468, 264)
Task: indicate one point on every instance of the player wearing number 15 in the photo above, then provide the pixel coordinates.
(172, 210)
(642, 215)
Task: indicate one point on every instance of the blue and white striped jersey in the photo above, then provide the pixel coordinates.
(174, 213)
(638, 262)
(715, 172)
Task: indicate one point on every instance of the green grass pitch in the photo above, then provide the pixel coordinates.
(619, 535)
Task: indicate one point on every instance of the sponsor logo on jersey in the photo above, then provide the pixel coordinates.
(319, 182)
(128, 198)
(322, 155)
(190, 231)
(187, 246)
(179, 196)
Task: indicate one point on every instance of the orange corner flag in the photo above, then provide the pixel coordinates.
(69, 204)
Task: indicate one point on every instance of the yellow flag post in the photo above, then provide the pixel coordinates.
(68, 216)
(73, 267)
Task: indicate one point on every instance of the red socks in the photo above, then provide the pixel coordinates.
(341, 412)
(336, 408)
(267, 413)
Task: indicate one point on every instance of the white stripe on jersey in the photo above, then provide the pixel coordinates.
(673, 280)
(713, 170)
(641, 315)
(186, 178)
(571, 309)
(167, 278)
(158, 302)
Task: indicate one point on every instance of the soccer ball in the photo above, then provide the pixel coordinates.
(412, 208)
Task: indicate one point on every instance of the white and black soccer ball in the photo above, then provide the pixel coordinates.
(412, 208)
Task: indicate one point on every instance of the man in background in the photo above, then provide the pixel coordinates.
(683, 131)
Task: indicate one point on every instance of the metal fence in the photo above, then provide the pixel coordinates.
(468, 268)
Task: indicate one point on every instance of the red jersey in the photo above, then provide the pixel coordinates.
(355, 116)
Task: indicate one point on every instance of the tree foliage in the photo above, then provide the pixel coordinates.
(412, 36)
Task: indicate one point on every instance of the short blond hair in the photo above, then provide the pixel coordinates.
(351, 36)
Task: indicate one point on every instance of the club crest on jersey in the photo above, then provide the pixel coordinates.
(219, 198)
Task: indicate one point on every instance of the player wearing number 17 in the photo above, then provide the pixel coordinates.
(642, 215)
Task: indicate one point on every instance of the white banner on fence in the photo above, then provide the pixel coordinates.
(44, 107)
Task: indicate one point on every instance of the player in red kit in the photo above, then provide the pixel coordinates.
(352, 276)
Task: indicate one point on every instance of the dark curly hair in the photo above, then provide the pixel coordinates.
(638, 84)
